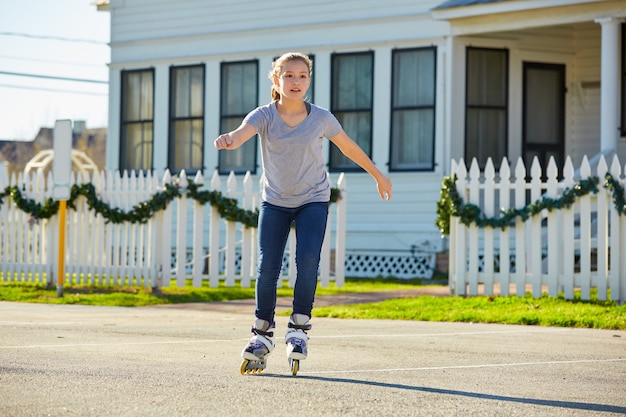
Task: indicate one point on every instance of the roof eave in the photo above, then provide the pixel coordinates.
(501, 7)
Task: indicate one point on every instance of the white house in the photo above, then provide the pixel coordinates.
(416, 83)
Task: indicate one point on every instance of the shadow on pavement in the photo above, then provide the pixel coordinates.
(534, 401)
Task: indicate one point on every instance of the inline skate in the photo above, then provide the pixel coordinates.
(296, 339)
(259, 347)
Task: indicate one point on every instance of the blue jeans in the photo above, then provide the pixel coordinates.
(274, 225)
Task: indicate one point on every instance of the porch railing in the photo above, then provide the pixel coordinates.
(549, 233)
(110, 240)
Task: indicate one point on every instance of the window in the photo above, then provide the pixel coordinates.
(137, 121)
(186, 132)
(413, 109)
(239, 96)
(623, 109)
(486, 112)
(352, 86)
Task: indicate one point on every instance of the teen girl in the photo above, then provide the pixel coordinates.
(295, 188)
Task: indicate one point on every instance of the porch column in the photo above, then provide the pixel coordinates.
(609, 79)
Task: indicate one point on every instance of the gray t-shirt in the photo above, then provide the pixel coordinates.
(292, 157)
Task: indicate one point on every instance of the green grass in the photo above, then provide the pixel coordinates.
(135, 296)
(543, 311)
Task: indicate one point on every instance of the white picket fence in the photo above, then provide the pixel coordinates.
(186, 241)
(582, 247)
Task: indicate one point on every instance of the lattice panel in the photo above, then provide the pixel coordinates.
(372, 265)
(362, 265)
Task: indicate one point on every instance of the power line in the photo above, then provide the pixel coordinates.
(54, 90)
(48, 61)
(50, 77)
(54, 38)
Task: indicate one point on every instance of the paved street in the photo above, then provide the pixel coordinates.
(184, 361)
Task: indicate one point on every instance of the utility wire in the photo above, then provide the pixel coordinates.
(50, 77)
(54, 38)
(48, 61)
(54, 90)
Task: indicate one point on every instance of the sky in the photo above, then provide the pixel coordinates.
(41, 41)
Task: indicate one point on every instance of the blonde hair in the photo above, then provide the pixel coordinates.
(277, 68)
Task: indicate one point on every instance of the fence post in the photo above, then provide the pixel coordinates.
(488, 232)
(198, 231)
(474, 198)
(165, 249)
(554, 236)
(504, 190)
(520, 228)
(340, 231)
(603, 232)
(535, 231)
(181, 232)
(567, 232)
(214, 237)
(4, 220)
(460, 280)
(324, 268)
(246, 234)
(231, 234)
(617, 240)
(452, 236)
(585, 236)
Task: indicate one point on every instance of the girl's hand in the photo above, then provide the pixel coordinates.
(223, 141)
(384, 186)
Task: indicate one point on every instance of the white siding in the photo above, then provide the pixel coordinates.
(160, 33)
(156, 34)
(152, 30)
(158, 19)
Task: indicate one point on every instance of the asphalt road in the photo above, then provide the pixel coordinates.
(110, 361)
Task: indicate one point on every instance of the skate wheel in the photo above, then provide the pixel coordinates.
(295, 365)
(244, 365)
(252, 367)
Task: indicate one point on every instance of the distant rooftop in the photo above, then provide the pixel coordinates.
(102, 5)
(459, 3)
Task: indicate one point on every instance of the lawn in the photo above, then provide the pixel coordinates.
(544, 311)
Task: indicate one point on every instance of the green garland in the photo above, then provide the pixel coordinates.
(227, 207)
(141, 212)
(451, 204)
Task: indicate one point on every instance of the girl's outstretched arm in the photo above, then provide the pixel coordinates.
(353, 151)
(236, 138)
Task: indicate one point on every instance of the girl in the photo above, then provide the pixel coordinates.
(296, 188)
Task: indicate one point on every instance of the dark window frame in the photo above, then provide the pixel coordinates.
(252, 144)
(394, 109)
(125, 122)
(504, 107)
(173, 119)
(334, 90)
(623, 86)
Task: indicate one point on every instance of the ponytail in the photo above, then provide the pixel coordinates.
(274, 94)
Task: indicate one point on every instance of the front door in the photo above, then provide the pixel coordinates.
(543, 116)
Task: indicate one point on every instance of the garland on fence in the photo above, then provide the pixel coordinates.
(451, 204)
(141, 212)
